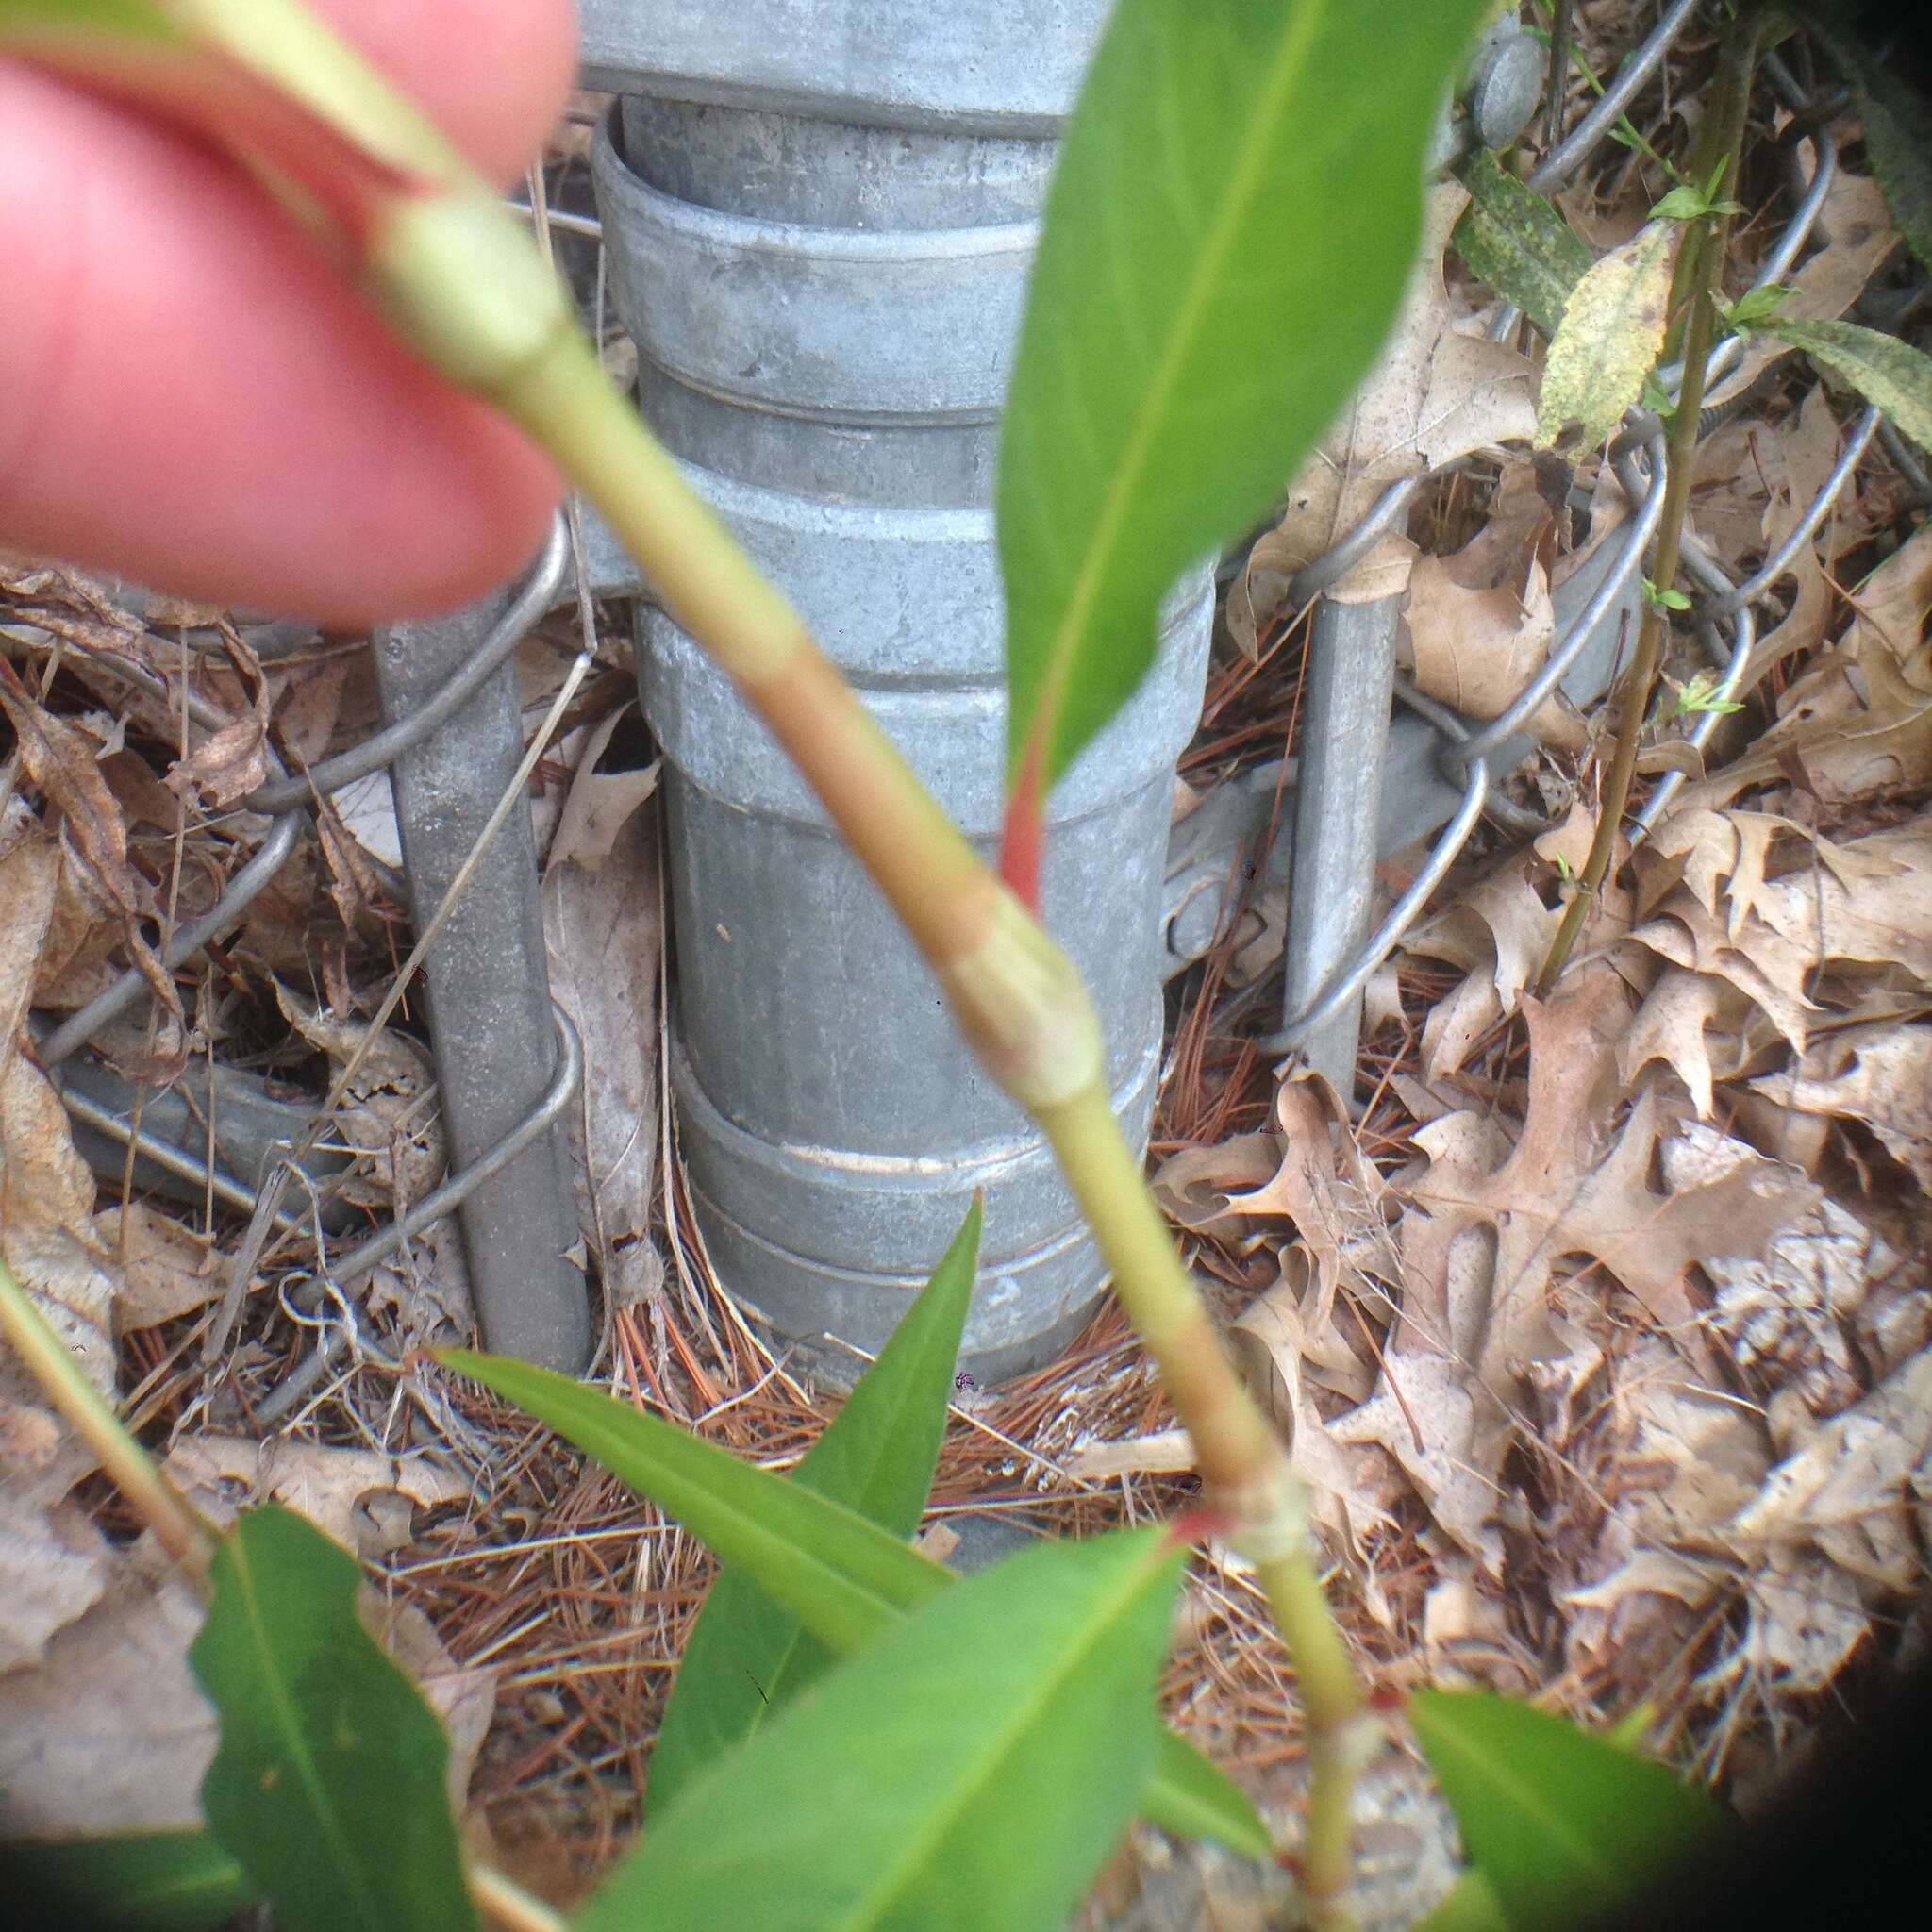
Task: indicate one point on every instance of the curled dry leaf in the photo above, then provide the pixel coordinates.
(1480, 622)
(1466, 1634)
(112, 1734)
(1334, 1196)
(1426, 1413)
(1275, 1352)
(1787, 1313)
(1312, 1175)
(1685, 1018)
(1801, 925)
(386, 1117)
(164, 1270)
(332, 1487)
(1197, 1188)
(53, 1565)
(598, 805)
(60, 761)
(1838, 1532)
(1572, 1186)
(1677, 1460)
(231, 761)
(1436, 394)
(47, 1193)
(1858, 720)
(1480, 1254)
(601, 926)
(109, 1733)
(1892, 605)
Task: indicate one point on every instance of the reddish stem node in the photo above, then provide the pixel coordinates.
(1199, 1525)
(1023, 838)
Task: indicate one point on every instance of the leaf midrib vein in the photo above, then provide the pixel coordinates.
(1292, 55)
(281, 1696)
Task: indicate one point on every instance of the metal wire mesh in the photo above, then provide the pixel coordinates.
(1722, 618)
(287, 800)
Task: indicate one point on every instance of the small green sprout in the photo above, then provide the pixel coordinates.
(1756, 307)
(1702, 695)
(1665, 598)
(1687, 201)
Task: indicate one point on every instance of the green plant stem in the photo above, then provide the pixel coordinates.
(457, 280)
(1242, 1463)
(507, 1903)
(178, 1528)
(1017, 998)
(1699, 267)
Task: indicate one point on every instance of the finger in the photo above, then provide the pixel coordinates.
(188, 397)
(493, 74)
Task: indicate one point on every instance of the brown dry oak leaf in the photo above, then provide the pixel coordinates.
(164, 1269)
(1198, 1187)
(1879, 1075)
(1833, 1539)
(1335, 1197)
(110, 1732)
(1787, 1314)
(1573, 1185)
(1807, 928)
(1809, 448)
(1685, 1019)
(386, 1116)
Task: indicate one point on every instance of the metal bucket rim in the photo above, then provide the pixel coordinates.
(725, 233)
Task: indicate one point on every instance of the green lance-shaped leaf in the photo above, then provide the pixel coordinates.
(37, 23)
(1232, 220)
(746, 1654)
(329, 1782)
(847, 1580)
(1514, 242)
(1609, 338)
(1897, 121)
(160, 1881)
(970, 1770)
(1559, 1824)
(1890, 374)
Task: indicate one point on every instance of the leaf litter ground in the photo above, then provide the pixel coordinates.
(1601, 1325)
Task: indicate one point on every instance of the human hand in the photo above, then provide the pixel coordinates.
(191, 397)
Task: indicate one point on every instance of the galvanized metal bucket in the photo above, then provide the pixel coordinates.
(824, 311)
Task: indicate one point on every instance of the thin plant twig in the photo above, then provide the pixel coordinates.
(1698, 269)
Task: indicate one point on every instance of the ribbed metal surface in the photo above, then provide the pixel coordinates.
(983, 64)
(825, 310)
